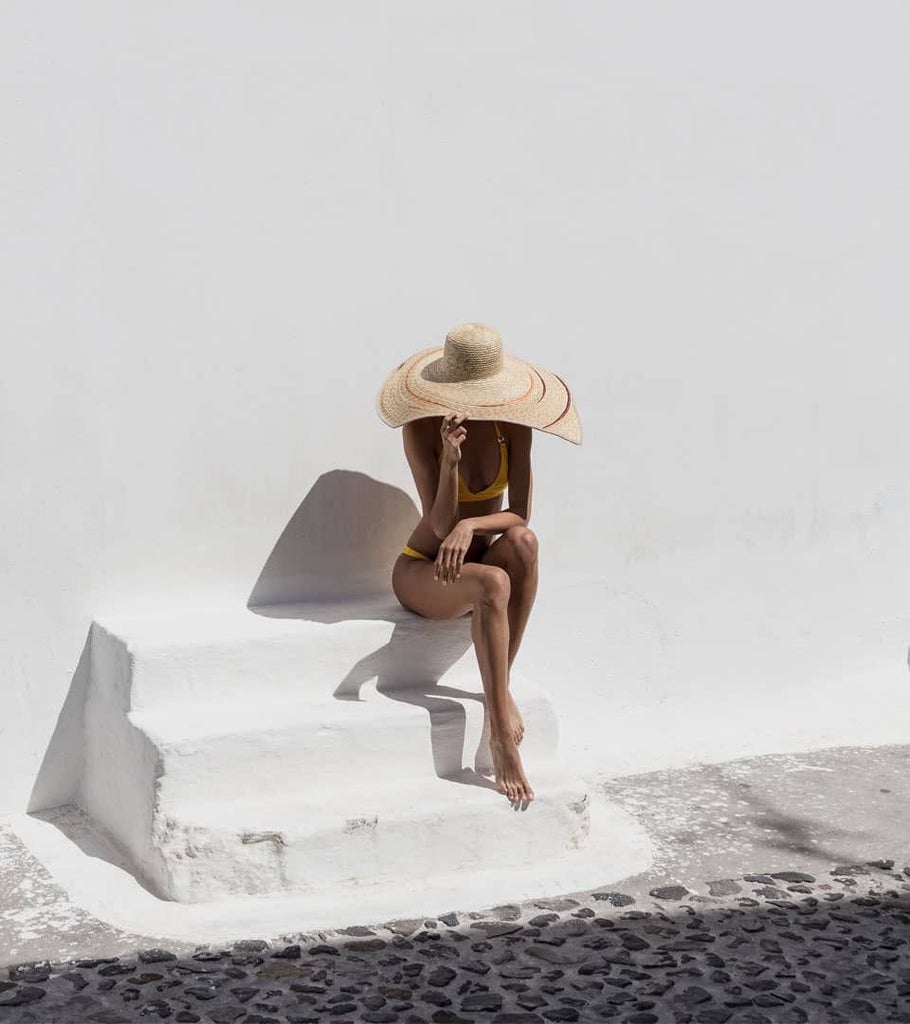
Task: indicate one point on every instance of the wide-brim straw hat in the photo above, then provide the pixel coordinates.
(471, 374)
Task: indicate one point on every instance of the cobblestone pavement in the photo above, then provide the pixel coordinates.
(813, 940)
(786, 947)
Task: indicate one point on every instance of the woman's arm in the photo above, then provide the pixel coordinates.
(437, 484)
(444, 514)
(495, 522)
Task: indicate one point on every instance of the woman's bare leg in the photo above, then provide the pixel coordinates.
(515, 550)
(490, 630)
(483, 590)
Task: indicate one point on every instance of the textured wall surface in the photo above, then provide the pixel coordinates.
(222, 224)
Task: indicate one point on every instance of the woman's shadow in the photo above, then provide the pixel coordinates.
(333, 563)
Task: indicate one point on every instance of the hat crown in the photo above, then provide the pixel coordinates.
(472, 352)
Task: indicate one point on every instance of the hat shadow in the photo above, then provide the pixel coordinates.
(333, 563)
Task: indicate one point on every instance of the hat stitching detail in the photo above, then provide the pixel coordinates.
(568, 400)
(542, 382)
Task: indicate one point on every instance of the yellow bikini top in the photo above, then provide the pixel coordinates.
(502, 477)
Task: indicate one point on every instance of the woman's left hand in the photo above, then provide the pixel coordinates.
(450, 556)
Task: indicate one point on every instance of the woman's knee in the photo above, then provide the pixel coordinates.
(493, 585)
(524, 543)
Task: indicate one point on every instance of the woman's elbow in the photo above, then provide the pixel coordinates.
(441, 528)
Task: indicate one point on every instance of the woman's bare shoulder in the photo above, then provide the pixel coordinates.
(423, 425)
(423, 431)
(516, 431)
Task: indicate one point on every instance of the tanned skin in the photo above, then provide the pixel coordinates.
(470, 573)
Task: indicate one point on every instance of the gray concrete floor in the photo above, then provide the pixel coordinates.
(805, 812)
(781, 812)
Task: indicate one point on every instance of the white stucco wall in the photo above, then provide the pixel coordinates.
(223, 223)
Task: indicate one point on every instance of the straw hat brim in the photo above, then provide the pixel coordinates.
(520, 393)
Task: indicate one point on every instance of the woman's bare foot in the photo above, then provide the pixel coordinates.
(510, 776)
(517, 723)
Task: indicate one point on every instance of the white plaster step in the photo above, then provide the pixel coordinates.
(368, 835)
(246, 746)
(142, 660)
(97, 877)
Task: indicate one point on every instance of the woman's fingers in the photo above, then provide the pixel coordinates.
(442, 566)
(450, 561)
(452, 423)
(452, 420)
(453, 564)
(448, 564)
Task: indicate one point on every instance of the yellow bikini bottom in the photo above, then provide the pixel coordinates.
(414, 553)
